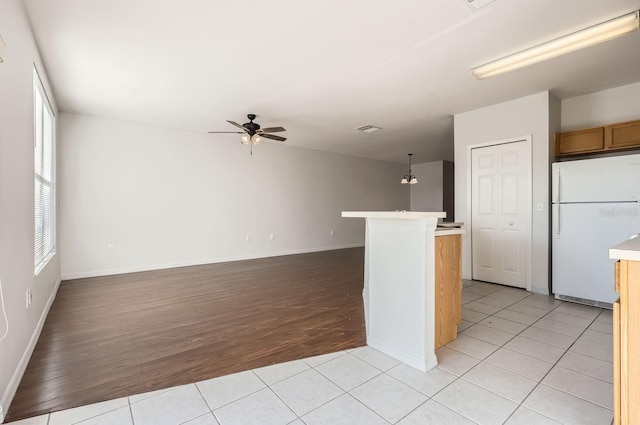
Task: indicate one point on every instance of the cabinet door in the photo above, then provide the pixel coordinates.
(448, 289)
(623, 135)
(616, 362)
(630, 340)
(582, 141)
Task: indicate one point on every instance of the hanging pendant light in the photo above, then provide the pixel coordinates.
(409, 178)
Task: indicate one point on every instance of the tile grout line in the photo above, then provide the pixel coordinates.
(269, 386)
(341, 388)
(133, 421)
(205, 402)
(552, 367)
(502, 346)
(326, 402)
(345, 392)
(458, 377)
(276, 394)
(94, 416)
(198, 417)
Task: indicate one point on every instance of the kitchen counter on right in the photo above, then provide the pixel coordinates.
(627, 250)
(626, 333)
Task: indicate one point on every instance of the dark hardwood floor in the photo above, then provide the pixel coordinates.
(109, 337)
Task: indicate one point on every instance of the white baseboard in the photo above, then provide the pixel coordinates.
(422, 364)
(10, 392)
(110, 272)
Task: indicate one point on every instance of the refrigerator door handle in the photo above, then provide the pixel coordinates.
(556, 220)
(556, 187)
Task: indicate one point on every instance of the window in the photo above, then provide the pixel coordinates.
(44, 151)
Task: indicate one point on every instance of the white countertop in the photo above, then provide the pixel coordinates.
(440, 231)
(406, 215)
(627, 250)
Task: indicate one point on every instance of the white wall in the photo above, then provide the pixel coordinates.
(520, 117)
(16, 202)
(604, 107)
(167, 198)
(427, 194)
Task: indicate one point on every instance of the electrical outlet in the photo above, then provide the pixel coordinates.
(272, 237)
(111, 247)
(248, 238)
(333, 233)
(28, 298)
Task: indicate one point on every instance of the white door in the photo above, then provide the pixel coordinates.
(501, 213)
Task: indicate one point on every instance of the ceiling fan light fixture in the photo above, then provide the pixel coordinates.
(404, 180)
(560, 46)
(253, 134)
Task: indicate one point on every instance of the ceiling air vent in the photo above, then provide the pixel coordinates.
(368, 128)
(477, 4)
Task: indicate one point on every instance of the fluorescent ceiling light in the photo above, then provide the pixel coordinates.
(560, 46)
(369, 128)
(477, 4)
(2, 46)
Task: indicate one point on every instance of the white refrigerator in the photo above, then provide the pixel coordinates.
(595, 205)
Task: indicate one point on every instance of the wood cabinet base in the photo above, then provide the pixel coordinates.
(448, 301)
(626, 340)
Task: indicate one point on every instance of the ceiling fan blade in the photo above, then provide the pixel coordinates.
(230, 132)
(237, 125)
(272, 129)
(271, 136)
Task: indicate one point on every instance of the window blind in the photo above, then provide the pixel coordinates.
(44, 206)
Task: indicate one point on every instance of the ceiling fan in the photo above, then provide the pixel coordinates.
(252, 134)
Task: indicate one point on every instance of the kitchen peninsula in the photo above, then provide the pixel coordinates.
(412, 289)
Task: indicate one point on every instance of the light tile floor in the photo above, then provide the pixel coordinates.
(519, 359)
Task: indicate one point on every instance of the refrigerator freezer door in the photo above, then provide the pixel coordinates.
(582, 236)
(597, 180)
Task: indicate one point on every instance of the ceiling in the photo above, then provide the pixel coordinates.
(319, 68)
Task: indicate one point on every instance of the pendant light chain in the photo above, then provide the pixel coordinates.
(409, 178)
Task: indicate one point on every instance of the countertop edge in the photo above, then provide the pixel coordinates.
(402, 215)
(446, 232)
(627, 250)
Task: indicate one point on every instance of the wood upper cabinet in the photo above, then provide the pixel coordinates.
(581, 141)
(623, 135)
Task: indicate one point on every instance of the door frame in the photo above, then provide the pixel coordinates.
(529, 196)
